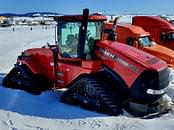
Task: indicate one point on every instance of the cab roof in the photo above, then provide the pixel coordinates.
(137, 30)
(132, 29)
(92, 17)
(153, 21)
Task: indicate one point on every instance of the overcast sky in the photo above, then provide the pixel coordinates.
(76, 6)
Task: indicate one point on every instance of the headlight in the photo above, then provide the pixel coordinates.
(156, 92)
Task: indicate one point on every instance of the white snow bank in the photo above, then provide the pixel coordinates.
(16, 121)
(45, 105)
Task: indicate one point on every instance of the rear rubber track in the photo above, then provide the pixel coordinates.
(91, 94)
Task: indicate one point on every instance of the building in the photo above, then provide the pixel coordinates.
(5, 22)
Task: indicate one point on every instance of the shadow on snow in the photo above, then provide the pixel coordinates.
(45, 105)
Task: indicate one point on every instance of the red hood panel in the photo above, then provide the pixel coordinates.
(136, 55)
(127, 61)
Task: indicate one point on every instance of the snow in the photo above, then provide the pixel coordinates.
(12, 43)
(170, 91)
(20, 110)
(122, 18)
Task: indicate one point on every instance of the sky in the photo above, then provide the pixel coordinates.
(76, 6)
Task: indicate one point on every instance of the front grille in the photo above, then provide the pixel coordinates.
(163, 76)
(149, 80)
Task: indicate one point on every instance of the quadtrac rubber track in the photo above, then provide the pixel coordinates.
(20, 77)
(91, 94)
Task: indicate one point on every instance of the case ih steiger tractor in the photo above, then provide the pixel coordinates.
(105, 76)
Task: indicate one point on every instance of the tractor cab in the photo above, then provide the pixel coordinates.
(76, 35)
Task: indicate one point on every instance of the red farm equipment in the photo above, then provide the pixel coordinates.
(101, 75)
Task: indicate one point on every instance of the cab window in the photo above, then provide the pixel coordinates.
(166, 37)
(68, 38)
(145, 41)
(68, 33)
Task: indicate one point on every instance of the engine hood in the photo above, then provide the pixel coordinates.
(142, 58)
(162, 52)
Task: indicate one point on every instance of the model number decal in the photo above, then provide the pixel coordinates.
(119, 60)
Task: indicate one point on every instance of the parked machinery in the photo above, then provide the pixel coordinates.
(160, 29)
(137, 37)
(100, 75)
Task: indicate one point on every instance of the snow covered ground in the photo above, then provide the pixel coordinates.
(12, 43)
(20, 110)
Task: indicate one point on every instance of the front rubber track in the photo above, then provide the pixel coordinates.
(20, 77)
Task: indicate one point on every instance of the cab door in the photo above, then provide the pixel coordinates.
(68, 62)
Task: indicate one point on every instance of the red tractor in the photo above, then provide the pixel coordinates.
(101, 75)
